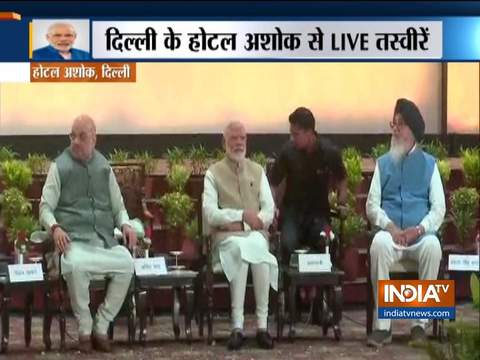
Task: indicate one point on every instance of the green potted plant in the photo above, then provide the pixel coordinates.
(353, 224)
(19, 231)
(463, 336)
(118, 156)
(38, 163)
(352, 160)
(379, 150)
(16, 173)
(464, 210)
(146, 157)
(177, 206)
(471, 166)
(175, 155)
(198, 156)
(260, 158)
(218, 154)
(445, 170)
(6, 153)
(436, 149)
(17, 219)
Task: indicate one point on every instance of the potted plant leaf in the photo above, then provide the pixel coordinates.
(146, 157)
(445, 170)
(16, 173)
(6, 153)
(177, 206)
(471, 166)
(260, 158)
(379, 150)
(119, 156)
(175, 155)
(464, 209)
(353, 223)
(198, 156)
(17, 219)
(436, 149)
(38, 163)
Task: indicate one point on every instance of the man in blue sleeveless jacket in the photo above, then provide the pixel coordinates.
(407, 203)
(81, 205)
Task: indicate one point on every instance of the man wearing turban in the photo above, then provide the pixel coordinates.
(406, 203)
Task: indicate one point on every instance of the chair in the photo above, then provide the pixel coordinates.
(327, 306)
(131, 179)
(404, 269)
(210, 275)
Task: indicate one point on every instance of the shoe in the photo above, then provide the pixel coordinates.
(418, 335)
(236, 340)
(85, 343)
(378, 338)
(101, 343)
(264, 340)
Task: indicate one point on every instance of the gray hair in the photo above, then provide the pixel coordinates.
(58, 24)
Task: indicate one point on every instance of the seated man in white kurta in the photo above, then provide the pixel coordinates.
(81, 205)
(238, 206)
(406, 201)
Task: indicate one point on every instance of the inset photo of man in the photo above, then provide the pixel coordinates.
(58, 40)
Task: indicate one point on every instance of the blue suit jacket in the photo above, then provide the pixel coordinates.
(50, 53)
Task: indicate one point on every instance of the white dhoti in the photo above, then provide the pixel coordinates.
(83, 263)
(234, 254)
(384, 253)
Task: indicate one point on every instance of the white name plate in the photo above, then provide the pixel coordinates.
(463, 262)
(25, 272)
(150, 266)
(314, 263)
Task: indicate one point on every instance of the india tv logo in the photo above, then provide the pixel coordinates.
(416, 299)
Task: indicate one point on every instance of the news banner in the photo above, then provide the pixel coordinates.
(114, 46)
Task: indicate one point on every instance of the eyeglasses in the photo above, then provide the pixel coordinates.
(397, 125)
(82, 137)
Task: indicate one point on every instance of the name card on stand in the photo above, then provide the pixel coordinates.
(314, 263)
(463, 262)
(150, 266)
(25, 273)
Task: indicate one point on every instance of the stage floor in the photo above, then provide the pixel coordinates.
(161, 344)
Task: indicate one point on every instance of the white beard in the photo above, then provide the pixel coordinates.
(397, 149)
(237, 156)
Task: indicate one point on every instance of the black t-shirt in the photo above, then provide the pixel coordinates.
(308, 176)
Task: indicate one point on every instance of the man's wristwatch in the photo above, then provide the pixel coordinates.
(419, 230)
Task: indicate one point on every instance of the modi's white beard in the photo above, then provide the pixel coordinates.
(237, 156)
(398, 149)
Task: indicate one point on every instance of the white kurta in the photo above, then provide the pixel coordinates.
(253, 247)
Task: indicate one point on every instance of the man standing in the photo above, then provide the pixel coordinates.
(81, 204)
(310, 165)
(406, 202)
(238, 207)
(61, 37)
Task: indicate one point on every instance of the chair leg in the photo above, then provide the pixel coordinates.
(142, 315)
(210, 339)
(47, 319)
(199, 306)
(370, 304)
(189, 299)
(131, 319)
(28, 317)
(5, 320)
(61, 315)
(176, 312)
